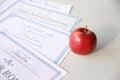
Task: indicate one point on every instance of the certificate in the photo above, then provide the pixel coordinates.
(45, 40)
(47, 17)
(51, 5)
(18, 63)
(44, 16)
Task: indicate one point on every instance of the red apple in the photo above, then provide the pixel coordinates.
(82, 41)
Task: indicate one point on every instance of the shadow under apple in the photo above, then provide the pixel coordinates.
(105, 36)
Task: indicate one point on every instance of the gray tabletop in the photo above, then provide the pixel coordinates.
(102, 17)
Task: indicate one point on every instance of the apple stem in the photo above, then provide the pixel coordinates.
(85, 29)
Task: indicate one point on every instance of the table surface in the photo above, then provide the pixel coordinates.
(102, 17)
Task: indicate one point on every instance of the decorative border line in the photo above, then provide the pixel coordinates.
(58, 59)
(9, 7)
(58, 72)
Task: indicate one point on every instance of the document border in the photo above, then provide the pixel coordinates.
(77, 19)
(58, 72)
(65, 50)
(9, 7)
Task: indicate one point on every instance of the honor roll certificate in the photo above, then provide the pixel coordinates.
(42, 39)
(18, 63)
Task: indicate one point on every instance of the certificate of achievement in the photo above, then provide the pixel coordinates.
(18, 63)
(45, 40)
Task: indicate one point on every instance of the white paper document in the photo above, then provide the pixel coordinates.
(18, 63)
(45, 40)
(51, 5)
(19, 22)
(44, 16)
(5, 4)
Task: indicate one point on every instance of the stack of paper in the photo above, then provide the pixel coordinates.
(34, 39)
